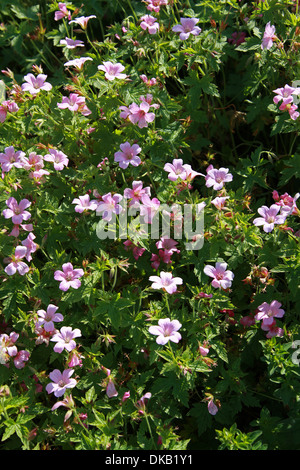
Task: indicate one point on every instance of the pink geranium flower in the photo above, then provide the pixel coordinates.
(21, 358)
(62, 12)
(187, 27)
(109, 205)
(77, 63)
(49, 317)
(35, 84)
(165, 281)
(148, 81)
(74, 103)
(217, 178)
(32, 162)
(212, 408)
(111, 390)
(10, 158)
(128, 154)
(69, 277)
(237, 38)
(149, 208)
(167, 330)
(149, 23)
(287, 203)
(60, 382)
(268, 37)
(64, 339)
(154, 5)
(83, 203)
(16, 263)
(17, 211)
(167, 244)
(30, 246)
(267, 312)
(141, 404)
(272, 329)
(137, 251)
(82, 20)
(58, 158)
(222, 278)
(112, 71)
(71, 43)
(7, 106)
(140, 115)
(285, 93)
(135, 194)
(269, 217)
(7, 346)
(175, 169)
(219, 202)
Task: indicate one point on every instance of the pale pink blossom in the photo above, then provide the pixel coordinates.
(21, 358)
(125, 396)
(149, 23)
(290, 108)
(48, 318)
(77, 63)
(16, 229)
(83, 203)
(30, 246)
(71, 43)
(203, 350)
(167, 244)
(167, 330)
(65, 339)
(269, 36)
(128, 154)
(148, 81)
(175, 169)
(287, 203)
(60, 382)
(111, 390)
(11, 158)
(217, 178)
(16, 263)
(17, 211)
(7, 106)
(7, 346)
(149, 208)
(112, 70)
(109, 205)
(58, 158)
(62, 12)
(82, 20)
(35, 84)
(269, 217)
(219, 202)
(212, 408)
(166, 282)
(272, 329)
(75, 359)
(140, 115)
(285, 93)
(267, 312)
(135, 194)
(187, 27)
(154, 5)
(74, 103)
(32, 162)
(222, 278)
(69, 277)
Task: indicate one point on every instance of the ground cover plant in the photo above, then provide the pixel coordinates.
(149, 239)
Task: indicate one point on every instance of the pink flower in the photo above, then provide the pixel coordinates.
(65, 339)
(212, 408)
(111, 389)
(237, 38)
(16, 229)
(74, 103)
(69, 277)
(149, 23)
(7, 106)
(135, 194)
(125, 396)
(7, 346)
(62, 13)
(128, 154)
(167, 244)
(149, 208)
(154, 5)
(269, 217)
(30, 246)
(268, 37)
(15, 262)
(20, 359)
(35, 84)
(267, 312)
(77, 63)
(137, 251)
(287, 203)
(82, 20)
(112, 71)
(10, 158)
(140, 115)
(217, 178)
(221, 277)
(175, 169)
(71, 43)
(47, 318)
(83, 203)
(166, 330)
(32, 162)
(17, 211)
(165, 281)
(109, 205)
(290, 108)
(149, 81)
(219, 202)
(60, 382)
(58, 158)
(203, 351)
(141, 404)
(187, 27)
(285, 93)
(247, 320)
(272, 329)
(75, 359)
